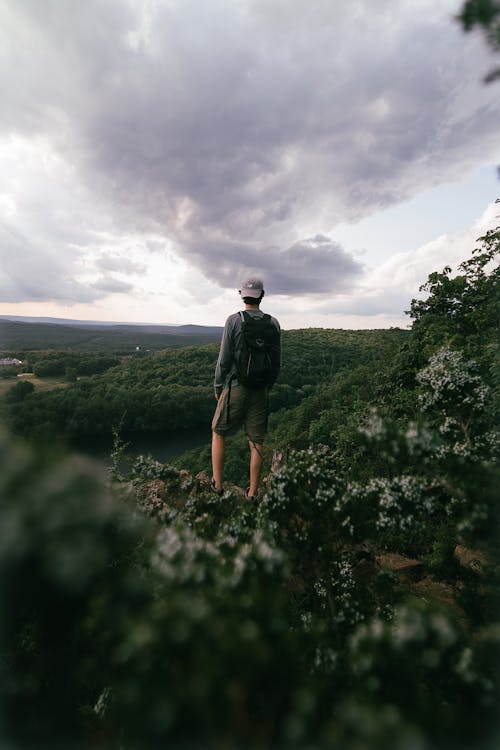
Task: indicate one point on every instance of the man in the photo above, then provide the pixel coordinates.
(239, 404)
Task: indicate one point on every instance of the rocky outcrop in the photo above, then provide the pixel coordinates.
(407, 568)
(169, 494)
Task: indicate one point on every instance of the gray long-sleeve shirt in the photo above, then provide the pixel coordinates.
(230, 349)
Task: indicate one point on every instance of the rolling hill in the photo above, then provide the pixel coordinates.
(18, 335)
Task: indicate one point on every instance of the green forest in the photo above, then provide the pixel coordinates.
(163, 392)
(354, 606)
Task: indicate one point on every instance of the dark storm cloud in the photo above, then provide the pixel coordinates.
(318, 262)
(323, 262)
(236, 129)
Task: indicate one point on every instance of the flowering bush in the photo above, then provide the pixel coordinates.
(455, 396)
(392, 665)
(70, 557)
(130, 628)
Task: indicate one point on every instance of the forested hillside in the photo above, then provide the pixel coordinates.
(172, 390)
(354, 606)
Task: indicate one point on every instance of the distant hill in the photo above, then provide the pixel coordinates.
(55, 333)
(65, 321)
(148, 327)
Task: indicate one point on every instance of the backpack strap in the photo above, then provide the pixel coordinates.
(243, 315)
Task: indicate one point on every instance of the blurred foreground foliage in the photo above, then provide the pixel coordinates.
(356, 606)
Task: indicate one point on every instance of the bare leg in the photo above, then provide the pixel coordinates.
(256, 458)
(218, 455)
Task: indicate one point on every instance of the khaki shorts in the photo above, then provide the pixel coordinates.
(239, 406)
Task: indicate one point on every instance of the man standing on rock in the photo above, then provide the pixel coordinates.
(248, 365)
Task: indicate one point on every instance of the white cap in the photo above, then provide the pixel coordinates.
(252, 288)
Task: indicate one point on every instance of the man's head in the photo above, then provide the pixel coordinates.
(252, 291)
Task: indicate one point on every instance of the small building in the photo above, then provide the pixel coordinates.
(10, 361)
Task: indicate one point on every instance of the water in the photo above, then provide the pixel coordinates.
(162, 448)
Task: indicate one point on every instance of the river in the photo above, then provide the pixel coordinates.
(162, 448)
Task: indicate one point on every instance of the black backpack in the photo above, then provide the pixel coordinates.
(259, 361)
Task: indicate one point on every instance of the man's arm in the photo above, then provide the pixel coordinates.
(279, 346)
(276, 352)
(225, 360)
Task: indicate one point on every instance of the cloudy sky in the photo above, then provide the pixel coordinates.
(153, 153)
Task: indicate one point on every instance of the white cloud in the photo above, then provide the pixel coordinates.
(388, 288)
(108, 262)
(111, 285)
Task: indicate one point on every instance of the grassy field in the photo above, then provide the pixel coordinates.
(41, 384)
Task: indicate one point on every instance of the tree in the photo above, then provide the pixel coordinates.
(485, 14)
(19, 391)
(462, 310)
